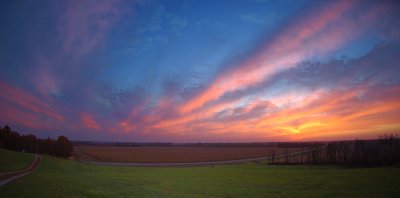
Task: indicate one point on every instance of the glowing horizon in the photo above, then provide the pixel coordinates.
(182, 71)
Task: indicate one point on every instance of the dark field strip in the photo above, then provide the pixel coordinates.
(172, 154)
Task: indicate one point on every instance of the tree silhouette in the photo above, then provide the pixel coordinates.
(29, 143)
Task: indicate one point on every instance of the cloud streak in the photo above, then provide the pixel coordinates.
(27, 101)
(284, 52)
(89, 122)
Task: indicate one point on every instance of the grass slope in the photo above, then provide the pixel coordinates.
(12, 160)
(63, 178)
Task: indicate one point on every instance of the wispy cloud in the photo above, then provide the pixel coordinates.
(86, 24)
(258, 19)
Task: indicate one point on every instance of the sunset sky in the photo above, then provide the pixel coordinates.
(200, 71)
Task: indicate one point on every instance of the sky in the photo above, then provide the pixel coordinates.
(200, 71)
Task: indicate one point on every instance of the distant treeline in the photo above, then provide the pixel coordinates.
(122, 144)
(170, 144)
(357, 153)
(12, 140)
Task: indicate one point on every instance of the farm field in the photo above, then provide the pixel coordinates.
(65, 178)
(12, 160)
(171, 154)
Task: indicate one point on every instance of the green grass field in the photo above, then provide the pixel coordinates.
(12, 160)
(63, 178)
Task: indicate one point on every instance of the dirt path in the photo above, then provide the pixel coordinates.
(186, 164)
(11, 176)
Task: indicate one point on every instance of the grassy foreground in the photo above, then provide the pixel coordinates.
(12, 160)
(63, 178)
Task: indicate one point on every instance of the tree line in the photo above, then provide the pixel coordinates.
(12, 140)
(358, 153)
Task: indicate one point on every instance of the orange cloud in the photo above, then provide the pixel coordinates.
(338, 114)
(362, 112)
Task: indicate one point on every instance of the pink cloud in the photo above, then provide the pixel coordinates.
(13, 115)
(28, 101)
(45, 81)
(89, 122)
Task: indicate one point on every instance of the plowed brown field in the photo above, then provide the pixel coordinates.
(172, 154)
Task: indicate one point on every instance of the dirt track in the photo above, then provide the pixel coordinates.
(11, 176)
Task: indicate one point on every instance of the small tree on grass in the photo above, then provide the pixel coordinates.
(62, 147)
